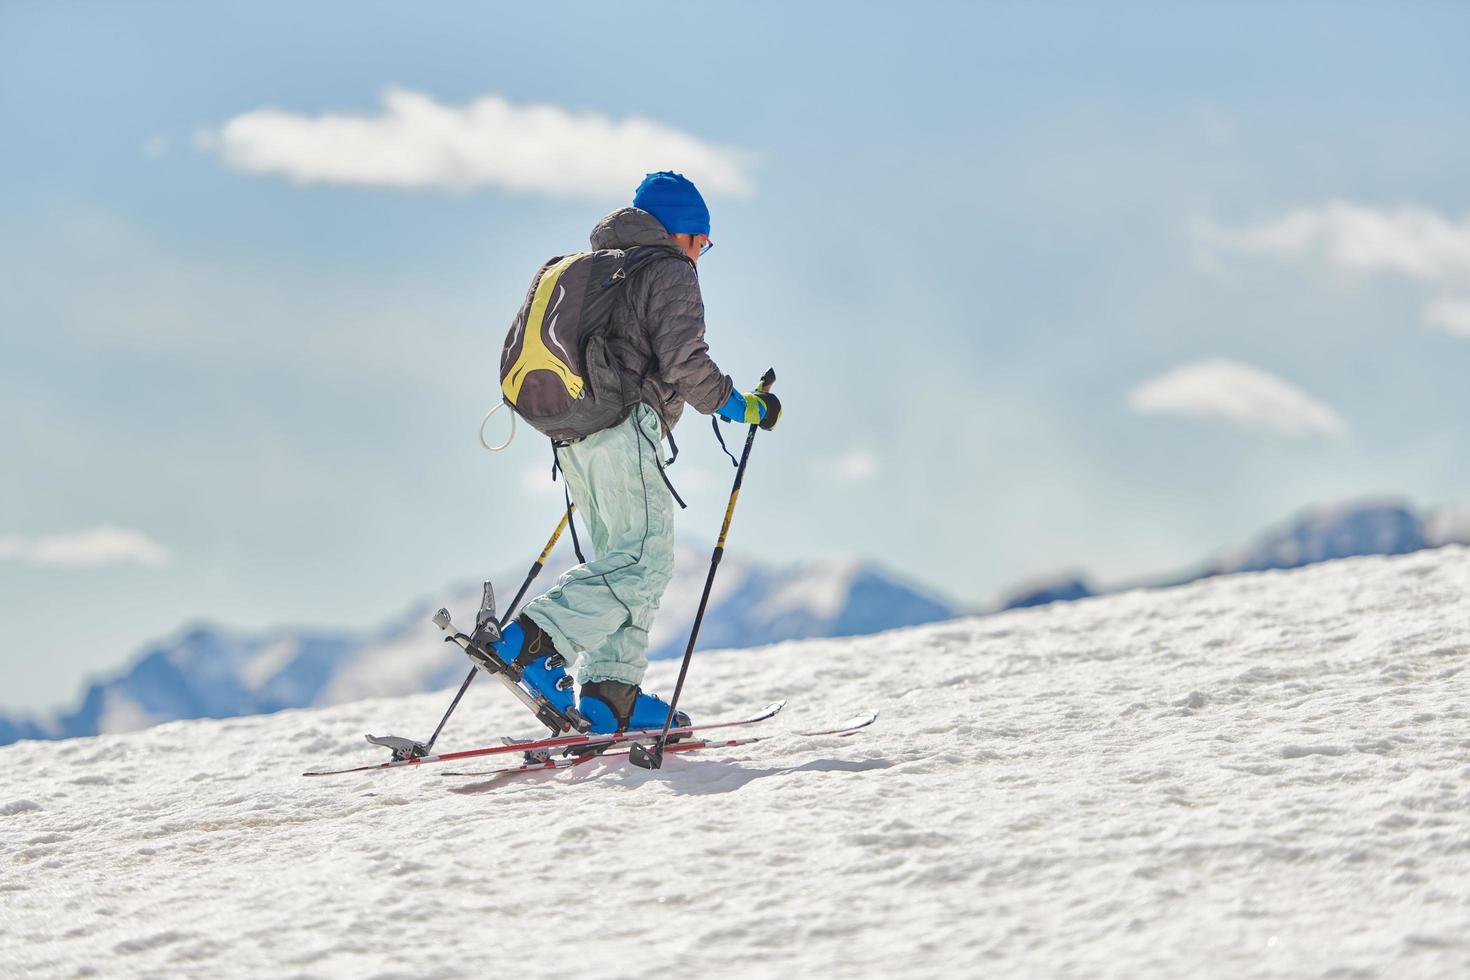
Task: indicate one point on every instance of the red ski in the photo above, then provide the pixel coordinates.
(567, 762)
(552, 744)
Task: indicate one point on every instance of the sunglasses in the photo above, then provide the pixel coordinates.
(706, 246)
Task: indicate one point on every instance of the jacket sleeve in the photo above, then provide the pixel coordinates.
(673, 315)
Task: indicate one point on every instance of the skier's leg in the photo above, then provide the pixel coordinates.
(623, 656)
(605, 608)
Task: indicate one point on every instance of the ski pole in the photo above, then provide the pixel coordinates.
(654, 758)
(539, 564)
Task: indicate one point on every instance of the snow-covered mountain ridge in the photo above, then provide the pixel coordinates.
(1347, 529)
(1262, 775)
(214, 672)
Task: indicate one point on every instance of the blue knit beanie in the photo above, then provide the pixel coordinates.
(675, 202)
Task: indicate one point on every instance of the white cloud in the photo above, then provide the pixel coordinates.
(417, 142)
(1450, 314)
(1409, 242)
(855, 466)
(1249, 397)
(85, 549)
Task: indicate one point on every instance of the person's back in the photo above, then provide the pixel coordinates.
(658, 323)
(604, 609)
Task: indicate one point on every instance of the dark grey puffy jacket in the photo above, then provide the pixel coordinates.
(658, 322)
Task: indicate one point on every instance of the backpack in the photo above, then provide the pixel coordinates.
(556, 369)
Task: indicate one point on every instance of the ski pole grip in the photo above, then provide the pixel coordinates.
(767, 379)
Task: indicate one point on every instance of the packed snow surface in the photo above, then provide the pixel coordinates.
(1262, 775)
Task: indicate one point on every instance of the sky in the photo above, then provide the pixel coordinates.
(1104, 287)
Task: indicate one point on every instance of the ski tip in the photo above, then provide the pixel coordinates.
(848, 728)
(769, 710)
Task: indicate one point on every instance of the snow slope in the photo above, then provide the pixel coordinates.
(1260, 775)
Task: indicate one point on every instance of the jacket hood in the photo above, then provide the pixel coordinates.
(627, 227)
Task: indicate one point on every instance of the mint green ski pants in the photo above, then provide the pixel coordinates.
(605, 608)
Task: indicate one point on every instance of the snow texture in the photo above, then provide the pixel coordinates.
(1263, 775)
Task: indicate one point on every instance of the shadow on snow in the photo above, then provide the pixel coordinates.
(685, 777)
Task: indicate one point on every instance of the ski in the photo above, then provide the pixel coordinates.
(846, 729)
(560, 742)
(568, 762)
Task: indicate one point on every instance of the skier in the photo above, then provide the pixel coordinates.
(604, 609)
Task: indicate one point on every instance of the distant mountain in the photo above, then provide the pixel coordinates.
(212, 672)
(1041, 592)
(1346, 530)
(204, 672)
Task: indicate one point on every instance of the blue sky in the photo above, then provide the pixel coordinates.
(1048, 286)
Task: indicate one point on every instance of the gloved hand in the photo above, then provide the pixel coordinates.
(760, 408)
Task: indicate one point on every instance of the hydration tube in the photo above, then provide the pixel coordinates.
(508, 439)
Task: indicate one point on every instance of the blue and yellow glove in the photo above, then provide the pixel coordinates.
(761, 408)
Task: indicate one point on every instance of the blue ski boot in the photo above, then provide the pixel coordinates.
(612, 706)
(528, 649)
